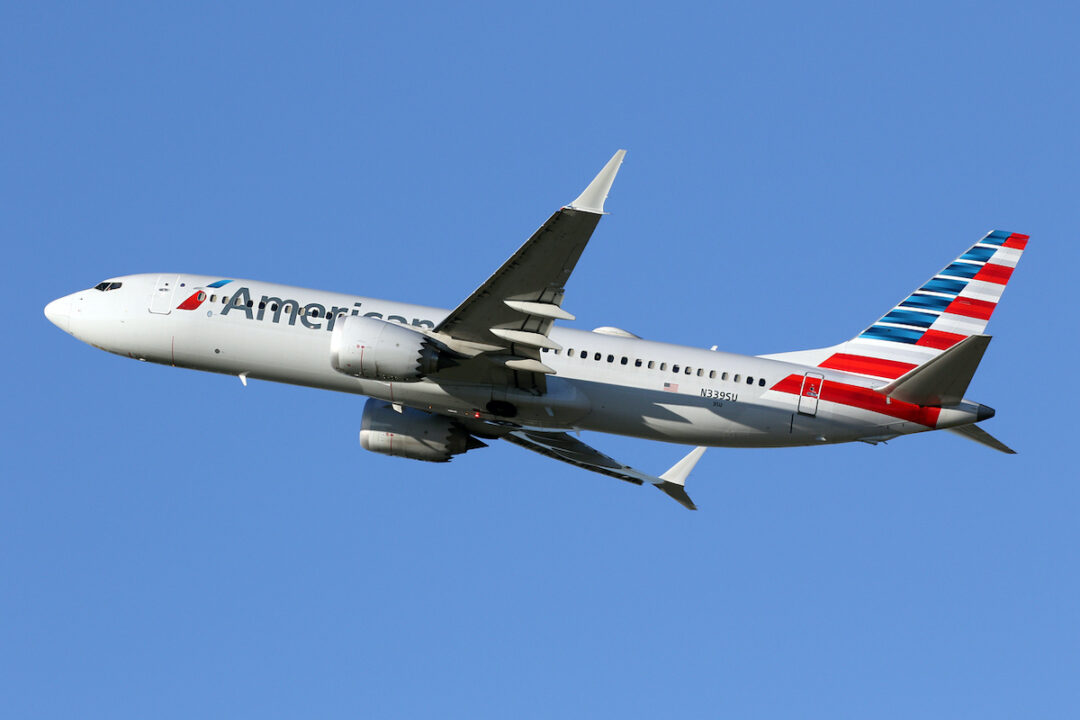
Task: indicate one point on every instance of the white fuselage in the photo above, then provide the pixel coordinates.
(602, 382)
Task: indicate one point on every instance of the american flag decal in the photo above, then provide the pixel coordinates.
(671, 387)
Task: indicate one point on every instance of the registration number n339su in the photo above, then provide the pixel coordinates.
(719, 394)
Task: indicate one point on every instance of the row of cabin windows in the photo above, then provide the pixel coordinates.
(663, 366)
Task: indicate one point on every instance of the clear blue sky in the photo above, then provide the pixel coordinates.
(175, 545)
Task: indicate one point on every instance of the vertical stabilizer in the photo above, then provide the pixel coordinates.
(950, 307)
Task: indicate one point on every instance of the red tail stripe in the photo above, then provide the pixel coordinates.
(999, 274)
(939, 340)
(970, 307)
(864, 399)
(878, 367)
(1016, 240)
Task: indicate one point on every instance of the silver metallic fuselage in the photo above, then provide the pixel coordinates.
(607, 395)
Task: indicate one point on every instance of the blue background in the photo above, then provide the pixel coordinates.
(175, 545)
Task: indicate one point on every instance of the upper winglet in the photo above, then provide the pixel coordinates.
(592, 198)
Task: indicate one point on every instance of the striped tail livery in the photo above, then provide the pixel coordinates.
(928, 347)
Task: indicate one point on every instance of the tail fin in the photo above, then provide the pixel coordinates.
(950, 307)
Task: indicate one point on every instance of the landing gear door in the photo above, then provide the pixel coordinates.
(810, 393)
(161, 300)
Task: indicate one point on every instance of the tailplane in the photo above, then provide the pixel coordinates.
(976, 433)
(942, 380)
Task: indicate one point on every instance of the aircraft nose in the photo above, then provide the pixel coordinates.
(59, 313)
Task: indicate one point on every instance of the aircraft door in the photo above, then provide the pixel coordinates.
(810, 393)
(161, 300)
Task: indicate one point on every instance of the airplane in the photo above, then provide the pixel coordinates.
(439, 383)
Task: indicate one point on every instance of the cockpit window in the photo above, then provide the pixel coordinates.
(106, 286)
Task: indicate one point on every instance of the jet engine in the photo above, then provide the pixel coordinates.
(380, 350)
(412, 433)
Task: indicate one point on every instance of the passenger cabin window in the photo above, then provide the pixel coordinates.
(663, 366)
(761, 382)
(688, 371)
(637, 362)
(712, 374)
(737, 377)
(611, 358)
(675, 368)
(213, 298)
(700, 372)
(724, 376)
(652, 364)
(597, 357)
(625, 360)
(749, 380)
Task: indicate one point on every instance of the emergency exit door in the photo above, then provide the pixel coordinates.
(810, 393)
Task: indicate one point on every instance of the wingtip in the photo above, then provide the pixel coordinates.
(678, 493)
(592, 198)
(674, 480)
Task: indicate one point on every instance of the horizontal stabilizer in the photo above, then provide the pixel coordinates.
(976, 433)
(942, 380)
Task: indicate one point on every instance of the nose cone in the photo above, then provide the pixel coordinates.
(59, 313)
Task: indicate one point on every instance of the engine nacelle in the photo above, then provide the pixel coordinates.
(412, 433)
(380, 350)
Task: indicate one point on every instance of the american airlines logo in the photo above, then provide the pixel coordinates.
(314, 316)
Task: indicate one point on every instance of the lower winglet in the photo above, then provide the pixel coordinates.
(674, 480)
(678, 492)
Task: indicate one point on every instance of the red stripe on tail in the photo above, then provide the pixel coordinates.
(1016, 240)
(939, 340)
(999, 274)
(970, 307)
(878, 367)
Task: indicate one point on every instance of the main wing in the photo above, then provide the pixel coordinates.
(504, 323)
(568, 449)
